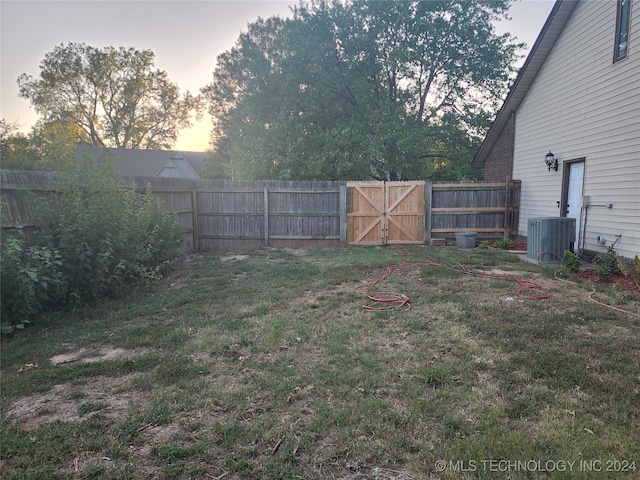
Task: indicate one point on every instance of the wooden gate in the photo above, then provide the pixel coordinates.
(381, 213)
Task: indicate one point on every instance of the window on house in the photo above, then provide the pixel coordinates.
(622, 30)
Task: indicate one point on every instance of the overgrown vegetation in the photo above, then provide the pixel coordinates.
(570, 264)
(263, 364)
(606, 264)
(504, 243)
(31, 281)
(96, 237)
(632, 270)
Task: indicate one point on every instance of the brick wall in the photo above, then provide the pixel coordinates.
(499, 164)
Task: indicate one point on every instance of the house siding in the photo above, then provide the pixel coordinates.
(582, 105)
(499, 165)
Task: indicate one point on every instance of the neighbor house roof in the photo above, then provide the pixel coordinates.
(129, 162)
(551, 30)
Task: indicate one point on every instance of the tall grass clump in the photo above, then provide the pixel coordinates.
(95, 237)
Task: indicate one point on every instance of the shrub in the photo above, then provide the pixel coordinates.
(606, 263)
(95, 238)
(31, 280)
(571, 261)
(504, 244)
(107, 235)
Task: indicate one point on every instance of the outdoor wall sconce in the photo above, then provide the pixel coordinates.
(551, 161)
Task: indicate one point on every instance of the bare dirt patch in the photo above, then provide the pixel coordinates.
(231, 258)
(87, 355)
(63, 401)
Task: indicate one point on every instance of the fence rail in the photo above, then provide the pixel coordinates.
(491, 209)
(275, 213)
(226, 214)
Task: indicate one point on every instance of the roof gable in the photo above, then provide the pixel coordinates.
(177, 167)
(550, 32)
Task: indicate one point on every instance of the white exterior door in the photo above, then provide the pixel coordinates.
(574, 196)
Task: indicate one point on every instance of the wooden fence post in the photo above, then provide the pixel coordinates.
(507, 203)
(194, 206)
(428, 201)
(266, 216)
(343, 214)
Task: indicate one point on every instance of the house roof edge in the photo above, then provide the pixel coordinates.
(556, 21)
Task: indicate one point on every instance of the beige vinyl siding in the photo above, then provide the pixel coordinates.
(583, 105)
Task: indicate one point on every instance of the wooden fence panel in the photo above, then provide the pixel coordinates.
(19, 194)
(486, 208)
(304, 214)
(249, 214)
(175, 196)
(225, 214)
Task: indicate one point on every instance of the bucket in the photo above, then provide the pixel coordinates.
(466, 239)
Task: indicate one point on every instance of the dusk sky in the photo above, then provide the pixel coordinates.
(186, 37)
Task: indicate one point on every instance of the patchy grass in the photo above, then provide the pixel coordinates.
(265, 365)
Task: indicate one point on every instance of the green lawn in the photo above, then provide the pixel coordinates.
(265, 365)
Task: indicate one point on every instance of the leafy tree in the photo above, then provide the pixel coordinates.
(362, 89)
(56, 144)
(114, 95)
(16, 150)
(49, 146)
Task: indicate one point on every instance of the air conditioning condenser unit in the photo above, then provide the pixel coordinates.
(549, 238)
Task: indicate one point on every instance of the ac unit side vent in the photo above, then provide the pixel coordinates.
(549, 238)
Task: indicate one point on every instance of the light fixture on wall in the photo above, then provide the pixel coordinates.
(551, 161)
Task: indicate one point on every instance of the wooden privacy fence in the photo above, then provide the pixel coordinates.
(247, 214)
(380, 213)
(491, 209)
(213, 214)
(225, 214)
(19, 190)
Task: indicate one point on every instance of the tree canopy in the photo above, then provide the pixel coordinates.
(114, 95)
(360, 89)
(48, 146)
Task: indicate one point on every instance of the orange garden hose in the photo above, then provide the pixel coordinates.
(386, 300)
(525, 284)
(381, 301)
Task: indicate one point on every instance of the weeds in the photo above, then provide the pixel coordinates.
(95, 238)
(570, 264)
(504, 244)
(606, 263)
(632, 270)
(32, 280)
(571, 261)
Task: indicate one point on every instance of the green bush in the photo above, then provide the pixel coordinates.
(504, 244)
(95, 238)
(107, 235)
(31, 280)
(571, 261)
(606, 263)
